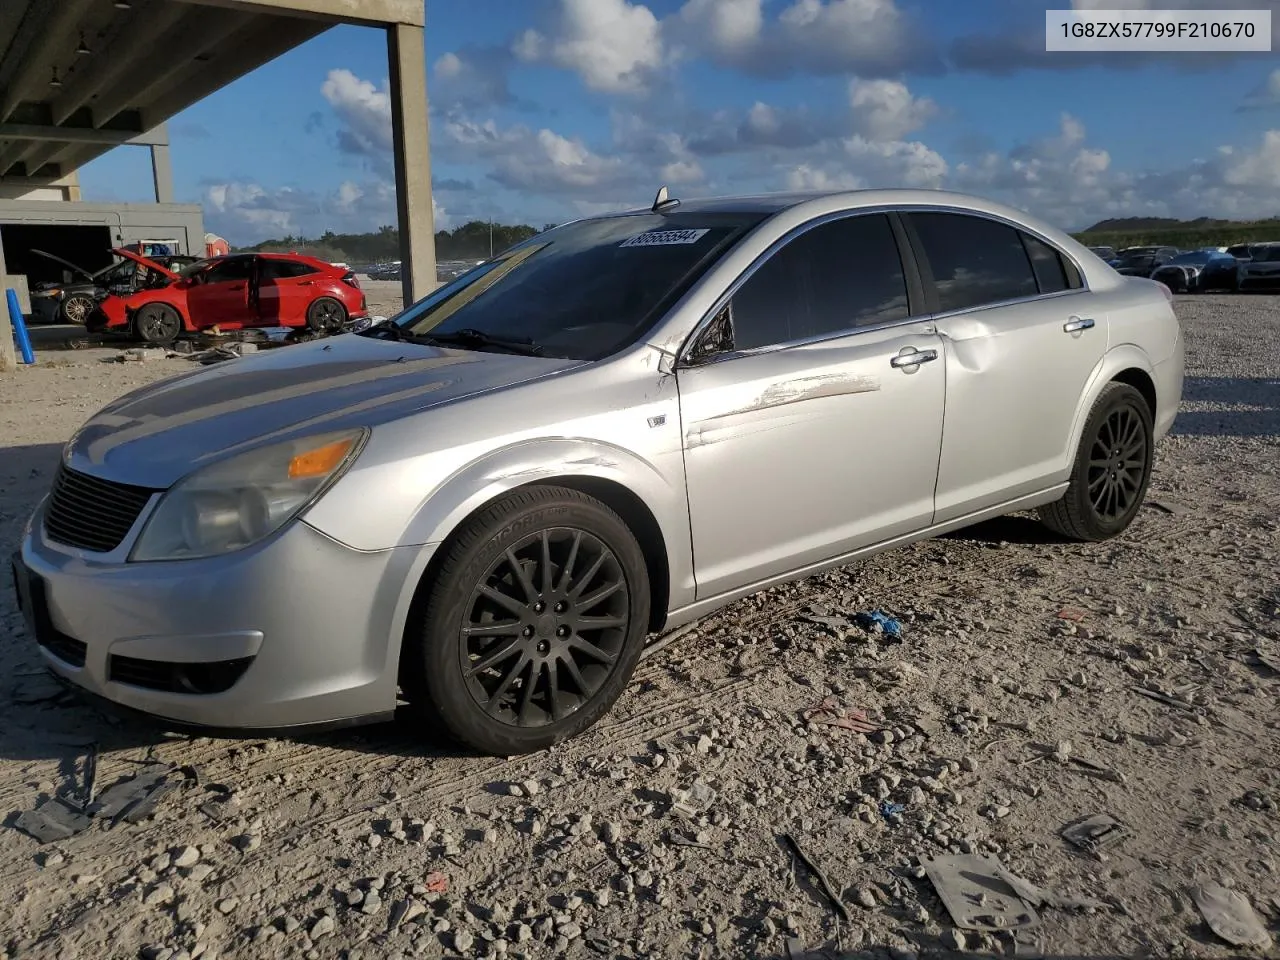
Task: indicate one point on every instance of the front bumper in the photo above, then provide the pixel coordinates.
(297, 631)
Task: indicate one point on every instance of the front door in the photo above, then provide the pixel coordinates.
(220, 295)
(1023, 340)
(811, 410)
(286, 288)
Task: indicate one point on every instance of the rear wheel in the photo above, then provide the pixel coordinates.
(76, 309)
(533, 625)
(1112, 470)
(326, 315)
(157, 323)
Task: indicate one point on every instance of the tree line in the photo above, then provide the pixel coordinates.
(1183, 234)
(471, 241)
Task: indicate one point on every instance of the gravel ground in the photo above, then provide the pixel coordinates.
(1006, 709)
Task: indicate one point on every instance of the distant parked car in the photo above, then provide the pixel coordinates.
(1142, 261)
(1106, 253)
(240, 290)
(486, 504)
(1263, 271)
(1199, 272)
(53, 302)
(385, 271)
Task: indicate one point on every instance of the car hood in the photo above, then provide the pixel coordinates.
(146, 262)
(154, 436)
(1263, 266)
(66, 263)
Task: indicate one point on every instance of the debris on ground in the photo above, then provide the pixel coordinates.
(1095, 832)
(821, 877)
(1164, 698)
(1074, 614)
(1230, 915)
(830, 712)
(980, 893)
(54, 819)
(877, 621)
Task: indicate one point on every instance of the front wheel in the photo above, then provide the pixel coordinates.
(76, 309)
(158, 323)
(1112, 469)
(533, 625)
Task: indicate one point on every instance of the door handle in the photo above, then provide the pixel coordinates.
(913, 357)
(306, 283)
(1076, 324)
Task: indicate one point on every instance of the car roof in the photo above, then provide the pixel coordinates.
(299, 258)
(768, 203)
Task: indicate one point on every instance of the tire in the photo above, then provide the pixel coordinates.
(157, 323)
(1094, 516)
(488, 709)
(76, 309)
(326, 315)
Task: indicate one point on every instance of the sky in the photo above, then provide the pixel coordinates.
(546, 110)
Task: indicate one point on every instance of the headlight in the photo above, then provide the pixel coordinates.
(229, 505)
(46, 293)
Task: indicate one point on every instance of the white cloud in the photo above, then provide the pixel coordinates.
(807, 36)
(887, 110)
(365, 112)
(1267, 94)
(614, 45)
(805, 178)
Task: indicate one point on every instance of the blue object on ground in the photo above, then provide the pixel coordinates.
(890, 626)
(888, 809)
(19, 327)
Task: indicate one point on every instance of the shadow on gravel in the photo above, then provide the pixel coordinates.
(1261, 395)
(1015, 528)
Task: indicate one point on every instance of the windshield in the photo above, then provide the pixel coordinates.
(1198, 257)
(192, 269)
(583, 290)
(121, 271)
(1269, 254)
(1145, 260)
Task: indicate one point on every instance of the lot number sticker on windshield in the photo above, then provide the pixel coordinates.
(665, 238)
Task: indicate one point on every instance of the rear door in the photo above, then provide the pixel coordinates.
(286, 289)
(221, 294)
(1023, 341)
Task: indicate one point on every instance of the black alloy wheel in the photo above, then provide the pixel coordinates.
(326, 315)
(1112, 469)
(545, 627)
(533, 623)
(157, 323)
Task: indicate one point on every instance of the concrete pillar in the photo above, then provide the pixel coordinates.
(407, 62)
(8, 349)
(162, 172)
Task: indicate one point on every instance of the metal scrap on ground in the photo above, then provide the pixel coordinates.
(821, 877)
(1095, 832)
(981, 894)
(831, 712)
(131, 799)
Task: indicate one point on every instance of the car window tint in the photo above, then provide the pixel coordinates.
(835, 277)
(237, 269)
(284, 269)
(1046, 262)
(974, 260)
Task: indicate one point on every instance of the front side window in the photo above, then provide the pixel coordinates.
(583, 290)
(237, 268)
(975, 261)
(833, 278)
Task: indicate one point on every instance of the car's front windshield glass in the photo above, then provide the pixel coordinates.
(583, 290)
(1270, 254)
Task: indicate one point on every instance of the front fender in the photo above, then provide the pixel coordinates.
(659, 486)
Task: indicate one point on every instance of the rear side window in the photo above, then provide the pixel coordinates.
(836, 277)
(974, 261)
(284, 269)
(1046, 262)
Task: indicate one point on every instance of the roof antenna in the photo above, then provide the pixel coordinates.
(663, 200)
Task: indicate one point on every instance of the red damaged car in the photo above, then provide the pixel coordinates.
(235, 291)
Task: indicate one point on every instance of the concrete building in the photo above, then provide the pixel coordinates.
(80, 77)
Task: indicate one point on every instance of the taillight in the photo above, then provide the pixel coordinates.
(351, 280)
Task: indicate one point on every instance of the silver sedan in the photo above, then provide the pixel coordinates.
(484, 506)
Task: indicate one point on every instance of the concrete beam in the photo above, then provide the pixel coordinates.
(195, 36)
(48, 134)
(8, 349)
(139, 37)
(27, 70)
(407, 60)
(162, 173)
(262, 43)
(411, 13)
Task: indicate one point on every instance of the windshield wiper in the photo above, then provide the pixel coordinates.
(478, 338)
(393, 331)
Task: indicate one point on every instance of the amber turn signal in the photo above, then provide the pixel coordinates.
(321, 461)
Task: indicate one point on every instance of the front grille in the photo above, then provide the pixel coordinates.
(90, 513)
(216, 677)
